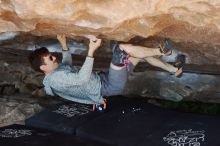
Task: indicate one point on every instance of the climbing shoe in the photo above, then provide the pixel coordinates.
(179, 63)
(119, 56)
(166, 47)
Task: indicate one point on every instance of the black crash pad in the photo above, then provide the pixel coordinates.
(64, 117)
(188, 130)
(136, 123)
(19, 135)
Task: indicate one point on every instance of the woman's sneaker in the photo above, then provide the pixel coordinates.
(119, 57)
(180, 61)
(166, 47)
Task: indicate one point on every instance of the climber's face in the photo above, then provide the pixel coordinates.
(50, 64)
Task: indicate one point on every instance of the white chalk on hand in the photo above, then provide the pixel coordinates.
(91, 37)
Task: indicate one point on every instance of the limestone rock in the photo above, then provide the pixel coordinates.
(18, 78)
(190, 87)
(180, 20)
(16, 110)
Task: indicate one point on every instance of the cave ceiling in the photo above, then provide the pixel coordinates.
(192, 25)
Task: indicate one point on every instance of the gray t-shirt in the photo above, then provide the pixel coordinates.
(66, 81)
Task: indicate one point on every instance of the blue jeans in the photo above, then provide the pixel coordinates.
(113, 81)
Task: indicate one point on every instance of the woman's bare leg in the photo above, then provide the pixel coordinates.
(159, 63)
(134, 61)
(139, 51)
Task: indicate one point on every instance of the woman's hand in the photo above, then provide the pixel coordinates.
(62, 39)
(93, 46)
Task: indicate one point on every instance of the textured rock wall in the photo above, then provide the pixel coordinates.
(180, 20)
(192, 25)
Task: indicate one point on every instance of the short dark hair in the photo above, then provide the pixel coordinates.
(36, 58)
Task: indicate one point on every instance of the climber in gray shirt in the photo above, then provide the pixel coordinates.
(85, 86)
